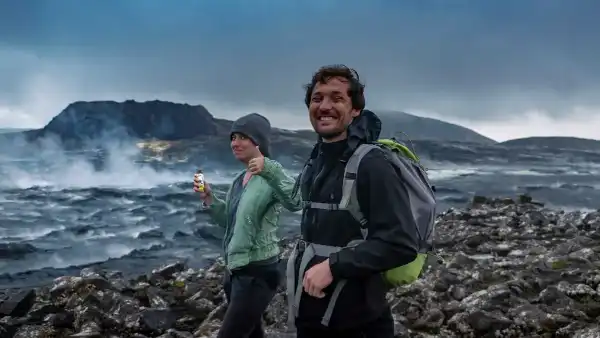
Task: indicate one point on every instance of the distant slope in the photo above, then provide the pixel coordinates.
(554, 142)
(425, 128)
(11, 130)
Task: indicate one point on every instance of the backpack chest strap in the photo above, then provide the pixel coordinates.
(349, 199)
(321, 206)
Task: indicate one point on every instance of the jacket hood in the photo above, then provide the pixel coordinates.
(365, 128)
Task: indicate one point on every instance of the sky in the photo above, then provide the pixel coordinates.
(508, 69)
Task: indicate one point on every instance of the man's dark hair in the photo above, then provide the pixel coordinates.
(355, 91)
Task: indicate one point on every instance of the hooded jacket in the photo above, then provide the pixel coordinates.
(392, 239)
(252, 236)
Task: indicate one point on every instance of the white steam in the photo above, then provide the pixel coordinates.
(65, 171)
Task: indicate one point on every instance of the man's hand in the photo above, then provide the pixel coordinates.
(317, 278)
(257, 164)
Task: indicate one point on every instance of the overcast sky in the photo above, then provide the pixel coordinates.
(507, 68)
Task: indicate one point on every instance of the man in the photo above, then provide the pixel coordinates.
(249, 214)
(320, 307)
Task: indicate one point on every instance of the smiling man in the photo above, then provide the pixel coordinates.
(335, 284)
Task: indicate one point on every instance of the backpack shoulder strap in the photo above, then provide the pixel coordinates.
(349, 199)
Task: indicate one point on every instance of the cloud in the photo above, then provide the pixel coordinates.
(482, 63)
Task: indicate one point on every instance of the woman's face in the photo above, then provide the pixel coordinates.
(243, 148)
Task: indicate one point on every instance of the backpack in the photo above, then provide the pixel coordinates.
(422, 204)
(421, 196)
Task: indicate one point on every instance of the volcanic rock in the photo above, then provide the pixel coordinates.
(506, 269)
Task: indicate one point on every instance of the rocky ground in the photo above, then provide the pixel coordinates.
(507, 269)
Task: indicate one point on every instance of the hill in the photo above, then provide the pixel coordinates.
(85, 121)
(11, 130)
(425, 128)
(554, 142)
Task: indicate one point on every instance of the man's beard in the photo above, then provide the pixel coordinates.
(331, 134)
(328, 135)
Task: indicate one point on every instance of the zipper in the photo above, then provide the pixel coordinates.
(231, 229)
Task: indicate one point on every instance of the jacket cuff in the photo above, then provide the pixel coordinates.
(269, 169)
(334, 266)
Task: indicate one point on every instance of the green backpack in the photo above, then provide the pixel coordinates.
(421, 197)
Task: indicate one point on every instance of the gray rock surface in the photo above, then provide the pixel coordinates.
(505, 269)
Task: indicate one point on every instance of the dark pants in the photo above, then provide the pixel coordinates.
(382, 327)
(249, 291)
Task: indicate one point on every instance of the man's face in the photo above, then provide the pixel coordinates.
(331, 109)
(243, 148)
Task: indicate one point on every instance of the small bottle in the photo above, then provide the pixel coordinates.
(199, 179)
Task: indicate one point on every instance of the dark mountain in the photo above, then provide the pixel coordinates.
(554, 142)
(83, 121)
(424, 128)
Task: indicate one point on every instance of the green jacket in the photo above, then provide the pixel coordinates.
(253, 237)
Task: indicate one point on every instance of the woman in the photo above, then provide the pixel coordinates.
(250, 214)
